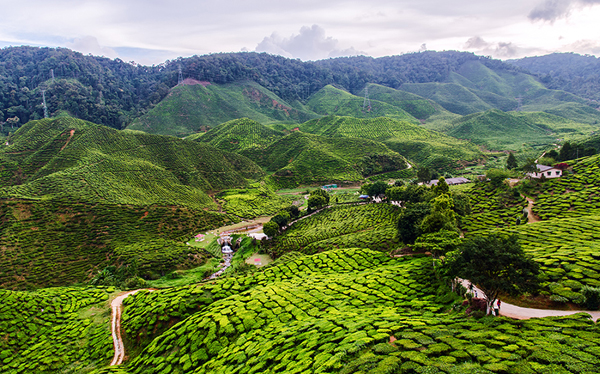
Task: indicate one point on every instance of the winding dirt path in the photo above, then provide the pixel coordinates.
(517, 312)
(116, 326)
(531, 217)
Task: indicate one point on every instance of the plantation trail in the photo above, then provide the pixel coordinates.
(71, 133)
(531, 217)
(517, 312)
(116, 326)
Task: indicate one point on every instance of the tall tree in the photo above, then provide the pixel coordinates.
(495, 264)
(511, 162)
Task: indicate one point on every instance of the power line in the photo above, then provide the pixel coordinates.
(367, 101)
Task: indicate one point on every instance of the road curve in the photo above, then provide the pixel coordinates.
(116, 327)
(517, 312)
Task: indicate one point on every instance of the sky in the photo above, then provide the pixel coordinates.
(150, 32)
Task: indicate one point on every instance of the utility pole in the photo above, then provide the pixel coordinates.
(44, 104)
(367, 102)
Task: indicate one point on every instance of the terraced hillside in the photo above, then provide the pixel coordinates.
(414, 105)
(369, 226)
(425, 147)
(244, 136)
(199, 106)
(55, 330)
(342, 311)
(73, 160)
(306, 159)
(49, 243)
(575, 194)
(476, 87)
(334, 101)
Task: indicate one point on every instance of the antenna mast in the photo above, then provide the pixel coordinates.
(367, 102)
(180, 78)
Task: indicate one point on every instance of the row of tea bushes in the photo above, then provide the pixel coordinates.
(370, 226)
(568, 253)
(49, 244)
(253, 202)
(142, 323)
(492, 207)
(298, 315)
(53, 330)
(574, 194)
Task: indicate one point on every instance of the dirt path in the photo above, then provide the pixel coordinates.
(531, 217)
(517, 312)
(116, 327)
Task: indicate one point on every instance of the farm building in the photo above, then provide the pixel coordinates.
(546, 171)
(450, 181)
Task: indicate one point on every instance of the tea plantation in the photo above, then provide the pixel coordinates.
(51, 244)
(54, 330)
(368, 226)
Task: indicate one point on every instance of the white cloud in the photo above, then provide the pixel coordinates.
(310, 44)
(89, 44)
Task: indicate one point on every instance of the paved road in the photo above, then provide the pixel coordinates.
(517, 312)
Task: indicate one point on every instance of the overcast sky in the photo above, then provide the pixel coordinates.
(152, 31)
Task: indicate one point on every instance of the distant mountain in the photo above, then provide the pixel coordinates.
(116, 93)
(571, 72)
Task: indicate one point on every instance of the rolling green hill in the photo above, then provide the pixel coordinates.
(199, 106)
(499, 130)
(334, 101)
(301, 158)
(73, 160)
(414, 105)
(244, 136)
(423, 146)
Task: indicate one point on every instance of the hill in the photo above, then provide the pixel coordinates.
(423, 146)
(334, 101)
(414, 105)
(570, 72)
(244, 136)
(306, 159)
(73, 160)
(499, 130)
(199, 106)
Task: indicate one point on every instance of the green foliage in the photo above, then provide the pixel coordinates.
(48, 243)
(270, 229)
(316, 202)
(511, 162)
(496, 176)
(367, 226)
(442, 216)
(257, 200)
(80, 161)
(55, 330)
(439, 242)
(592, 297)
(374, 189)
(495, 264)
(410, 219)
(425, 147)
(193, 108)
(333, 101)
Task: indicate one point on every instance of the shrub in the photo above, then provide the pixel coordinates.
(592, 297)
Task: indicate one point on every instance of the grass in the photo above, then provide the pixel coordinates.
(184, 277)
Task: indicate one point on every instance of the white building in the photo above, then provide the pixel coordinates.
(546, 171)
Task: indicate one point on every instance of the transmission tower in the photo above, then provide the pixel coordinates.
(367, 102)
(44, 104)
(180, 79)
(52, 74)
